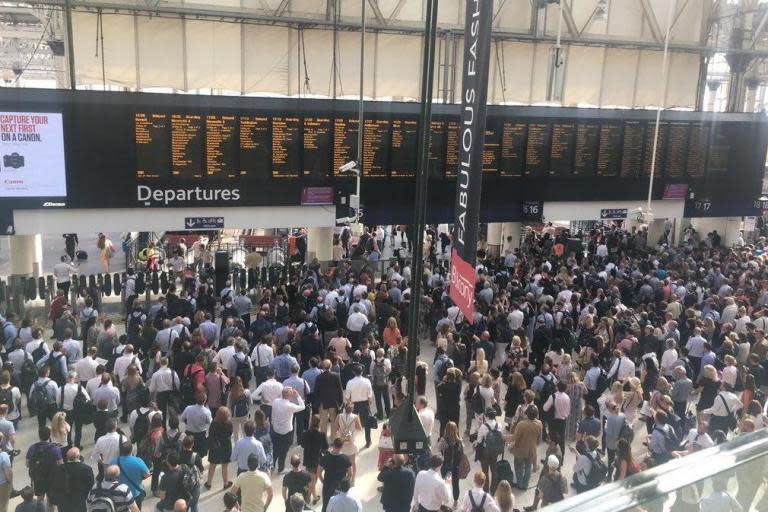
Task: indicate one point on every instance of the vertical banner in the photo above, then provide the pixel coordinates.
(474, 89)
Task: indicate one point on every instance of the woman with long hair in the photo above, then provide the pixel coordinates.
(504, 497)
(134, 390)
(220, 443)
(576, 391)
(451, 448)
(346, 425)
(106, 250)
(261, 433)
(60, 429)
(480, 365)
(472, 384)
(391, 332)
(708, 387)
(625, 464)
(239, 403)
(448, 393)
(633, 399)
(314, 442)
(514, 397)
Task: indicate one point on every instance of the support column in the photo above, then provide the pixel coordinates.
(26, 254)
(494, 238)
(511, 229)
(320, 244)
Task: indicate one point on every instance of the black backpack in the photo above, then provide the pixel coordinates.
(39, 352)
(84, 408)
(602, 383)
(547, 390)
(477, 402)
(598, 471)
(477, 507)
(54, 364)
(170, 445)
(141, 426)
(243, 369)
(187, 386)
(41, 465)
(39, 401)
(28, 373)
(6, 397)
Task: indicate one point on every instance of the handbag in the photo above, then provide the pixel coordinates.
(371, 422)
(464, 466)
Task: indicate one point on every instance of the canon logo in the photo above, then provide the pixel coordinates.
(148, 195)
(49, 204)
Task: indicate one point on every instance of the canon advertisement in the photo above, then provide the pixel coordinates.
(474, 89)
(32, 150)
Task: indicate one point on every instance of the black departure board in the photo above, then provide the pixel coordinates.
(632, 151)
(587, 146)
(376, 142)
(221, 146)
(187, 146)
(719, 151)
(437, 150)
(491, 148)
(661, 149)
(452, 149)
(153, 156)
(318, 134)
(563, 144)
(255, 147)
(286, 147)
(344, 143)
(677, 149)
(609, 151)
(405, 140)
(698, 144)
(537, 150)
(513, 138)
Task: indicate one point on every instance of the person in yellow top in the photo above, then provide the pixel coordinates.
(255, 487)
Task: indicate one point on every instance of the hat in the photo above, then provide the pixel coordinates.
(553, 462)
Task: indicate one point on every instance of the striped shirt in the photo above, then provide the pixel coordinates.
(119, 494)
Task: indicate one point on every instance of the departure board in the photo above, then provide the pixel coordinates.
(719, 151)
(376, 142)
(344, 143)
(698, 140)
(436, 150)
(318, 132)
(152, 145)
(632, 152)
(538, 149)
(513, 137)
(609, 151)
(405, 141)
(491, 148)
(255, 147)
(452, 150)
(563, 144)
(286, 147)
(661, 149)
(221, 146)
(587, 145)
(187, 146)
(677, 149)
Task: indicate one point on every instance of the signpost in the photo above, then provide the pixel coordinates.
(203, 222)
(613, 213)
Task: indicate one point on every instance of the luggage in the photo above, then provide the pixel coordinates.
(41, 287)
(81, 256)
(505, 472)
(107, 289)
(117, 285)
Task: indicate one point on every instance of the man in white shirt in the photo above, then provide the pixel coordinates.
(65, 400)
(108, 446)
(223, 356)
(726, 404)
(430, 492)
(124, 361)
(162, 385)
(106, 391)
(268, 391)
(515, 318)
(695, 346)
(623, 368)
(62, 271)
(262, 357)
(283, 409)
(165, 337)
(355, 323)
(561, 402)
(86, 367)
(71, 347)
(477, 497)
(37, 342)
(360, 392)
(426, 415)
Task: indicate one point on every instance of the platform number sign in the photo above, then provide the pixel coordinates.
(532, 210)
(613, 213)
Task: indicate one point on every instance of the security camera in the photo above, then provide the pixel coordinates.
(348, 167)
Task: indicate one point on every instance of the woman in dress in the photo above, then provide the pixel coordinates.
(239, 402)
(106, 250)
(451, 448)
(448, 393)
(314, 443)
(625, 464)
(133, 388)
(708, 387)
(60, 429)
(346, 425)
(514, 397)
(633, 399)
(576, 391)
(220, 443)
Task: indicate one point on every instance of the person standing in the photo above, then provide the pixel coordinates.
(614, 422)
(334, 467)
(71, 483)
(430, 491)
(552, 486)
(42, 457)
(163, 384)
(283, 410)
(561, 403)
(220, 441)
(70, 245)
(526, 438)
(255, 486)
(343, 501)
(246, 446)
(490, 445)
(62, 271)
(133, 471)
(360, 392)
(297, 480)
(477, 498)
(398, 483)
(110, 488)
(6, 478)
(330, 396)
(198, 419)
(301, 418)
(66, 402)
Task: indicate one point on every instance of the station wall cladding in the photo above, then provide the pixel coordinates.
(143, 149)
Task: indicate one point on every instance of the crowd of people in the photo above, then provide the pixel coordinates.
(609, 360)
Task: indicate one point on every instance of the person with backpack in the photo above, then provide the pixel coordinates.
(724, 410)
(477, 499)
(489, 445)
(239, 364)
(589, 471)
(133, 472)
(193, 380)
(37, 347)
(56, 362)
(110, 495)
(380, 370)
(191, 465)
(663, 440)
(86, 367)
(8, 330)
(169, 441)
(544, 385)
(10, 397)
(65, 401)
(197, 418)
(42, 397)
(552, 486)
(71, 483)
(42, 457)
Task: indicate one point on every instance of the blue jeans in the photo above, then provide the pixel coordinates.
(523, 469)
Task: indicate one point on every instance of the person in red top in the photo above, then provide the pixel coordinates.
(391, 333)
(57, 305)
(197, 372)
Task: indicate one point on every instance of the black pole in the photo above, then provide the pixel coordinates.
(71, 44)
(420, 204)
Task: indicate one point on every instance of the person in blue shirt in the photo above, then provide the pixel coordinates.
(9, 331)
(133, 471)
(283, 364)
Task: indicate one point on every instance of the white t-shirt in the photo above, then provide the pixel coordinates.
(62, 271)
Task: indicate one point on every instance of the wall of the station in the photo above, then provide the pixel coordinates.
(29, 222)
(727, 227)
(580, 210)
(151, 53)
